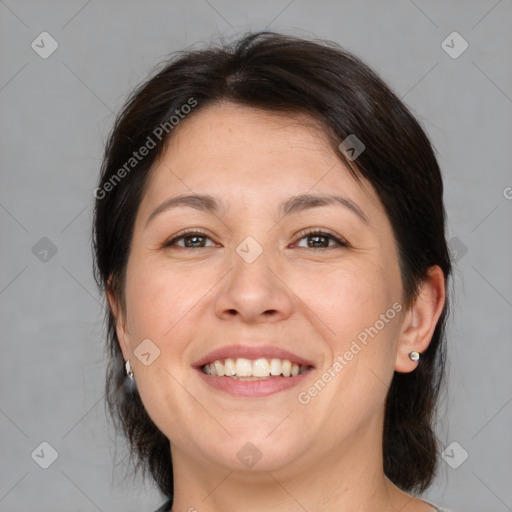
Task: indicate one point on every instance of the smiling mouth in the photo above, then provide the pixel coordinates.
(254, 369)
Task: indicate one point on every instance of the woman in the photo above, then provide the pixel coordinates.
(269, 233)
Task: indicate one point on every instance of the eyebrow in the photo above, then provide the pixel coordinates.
(293, 205)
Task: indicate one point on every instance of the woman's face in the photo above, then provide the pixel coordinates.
(260, 285)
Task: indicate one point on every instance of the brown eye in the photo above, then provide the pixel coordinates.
(321, 240)
(191, 240)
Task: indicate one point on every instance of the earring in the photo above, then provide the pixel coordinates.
(129, 370)
(415, 356)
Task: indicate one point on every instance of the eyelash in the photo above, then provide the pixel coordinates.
(303, 234)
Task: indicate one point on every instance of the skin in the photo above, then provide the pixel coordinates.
(325, 455)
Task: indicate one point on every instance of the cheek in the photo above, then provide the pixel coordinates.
(362, 310)
(159, 298)
(361, 307)
(346, 301)
(158, 301)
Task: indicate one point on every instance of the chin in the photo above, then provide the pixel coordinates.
(250, 452)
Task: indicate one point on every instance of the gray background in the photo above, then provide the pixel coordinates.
(56, 113)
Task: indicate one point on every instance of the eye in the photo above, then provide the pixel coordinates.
(319, 239)
(191, 239)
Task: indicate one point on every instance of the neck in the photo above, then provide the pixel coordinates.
(349, 478)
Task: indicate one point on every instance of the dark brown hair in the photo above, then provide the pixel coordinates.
(285, 74)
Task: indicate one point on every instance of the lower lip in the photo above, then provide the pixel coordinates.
(252, 388)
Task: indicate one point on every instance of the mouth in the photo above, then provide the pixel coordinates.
(244, 371)
(262, 368)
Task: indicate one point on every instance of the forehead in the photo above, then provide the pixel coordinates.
(246, 154)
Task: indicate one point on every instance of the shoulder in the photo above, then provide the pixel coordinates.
(166, 507)
(436, 507)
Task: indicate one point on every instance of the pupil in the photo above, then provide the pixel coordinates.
(316, 239)
(193, 237)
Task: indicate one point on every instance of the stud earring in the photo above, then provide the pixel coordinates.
(415, 356)
(129, 370)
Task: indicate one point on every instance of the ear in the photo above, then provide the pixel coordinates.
(421, 319)
(119, 316)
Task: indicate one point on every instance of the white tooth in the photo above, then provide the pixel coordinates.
(295, 369)
(206, 369)
(213, 370)
(229, 367)
(261, 368)
(286, 368)
(275, 367)
(219, 368)
(243, 367)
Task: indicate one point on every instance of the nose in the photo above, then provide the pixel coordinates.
(254, 292)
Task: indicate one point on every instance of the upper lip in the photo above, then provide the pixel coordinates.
(250, 352)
